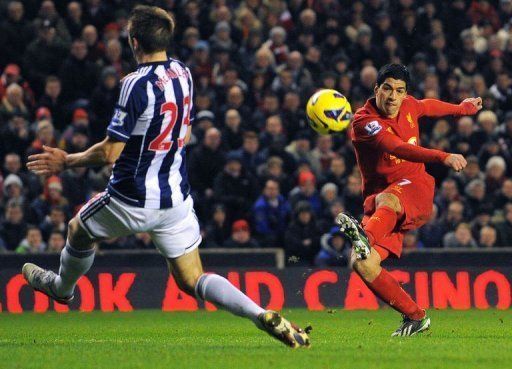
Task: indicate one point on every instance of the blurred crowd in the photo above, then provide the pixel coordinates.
(260, 177)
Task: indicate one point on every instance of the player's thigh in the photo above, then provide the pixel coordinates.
(177, 232)
(106, 217)
(416, 197)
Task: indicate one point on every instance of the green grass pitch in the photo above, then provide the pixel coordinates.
(341, 339)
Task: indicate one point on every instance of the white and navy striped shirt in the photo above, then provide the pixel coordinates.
(151, 116)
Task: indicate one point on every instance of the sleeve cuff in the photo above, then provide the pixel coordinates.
(118, 136)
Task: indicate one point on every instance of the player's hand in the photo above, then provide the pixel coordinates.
(51, 161)
(456, 162)
(471, 105)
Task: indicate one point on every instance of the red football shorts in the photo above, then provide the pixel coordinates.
(416, 195)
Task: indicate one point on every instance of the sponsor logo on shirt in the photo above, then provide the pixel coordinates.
(373, 128)
(118, 118)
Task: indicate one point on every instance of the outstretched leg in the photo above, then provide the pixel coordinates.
(188, 273)
(367, 265)
(76, 259)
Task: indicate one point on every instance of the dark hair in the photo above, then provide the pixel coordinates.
(395, 71)
(50, 79)
(250, 135)
(152, 27)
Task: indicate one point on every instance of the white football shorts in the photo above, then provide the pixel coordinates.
(175, 231)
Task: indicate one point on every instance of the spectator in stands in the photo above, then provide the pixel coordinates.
(205, 162)
(481, 218)
(52, 100)
(488, 237)
(328, 194)
(205, 120)
(56, 242)
(351, 196)
(273, 169)
(411, 241)
(273, 133)
(32, 243)
(471, 172)
(80, 118)
(461, 237)
(241, 236)
(323, 152)
(12, 103)
(453, 216)
(12, 75)
(302, 238)
(232, 131)
(112, 58)
(337, 173)
(55, 221)
(45, 135)
(52, 196)
(13, 190)
(495, 170)
(335, 249)
(74, 19)
(95, 47)
(475, 196)
(15, 136)
(235, 99)
(431, 234)
(13, 227)
(449, 193)
(17, 33)
(76, 188)
(78, 75)
(300, 149)
(103, 100)
(269, 107)
(306, 191)
(44, 55)
(504, 195)
(293, 115)
(249, 152)
(504, 228)
(31, 183)
(235, 187)
(48, 12)
(271, 213)
(217, 229)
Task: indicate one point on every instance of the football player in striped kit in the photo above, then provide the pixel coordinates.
(148, 190)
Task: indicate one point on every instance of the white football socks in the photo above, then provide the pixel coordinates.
(217, 289)
(73, 264)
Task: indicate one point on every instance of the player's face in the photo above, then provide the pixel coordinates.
(390, 95)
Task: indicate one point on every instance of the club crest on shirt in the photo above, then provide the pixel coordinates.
(373, 128)
(118, 118)
(409, 119)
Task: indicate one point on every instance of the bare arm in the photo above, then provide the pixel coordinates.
(437, 108)
(53, 160)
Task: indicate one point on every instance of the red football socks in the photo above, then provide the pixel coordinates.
(388, 289)
(380, 224)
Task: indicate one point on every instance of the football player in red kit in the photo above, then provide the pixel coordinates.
(398, 192)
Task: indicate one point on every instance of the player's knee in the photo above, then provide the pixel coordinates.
(389, 200)
(78, 237)
(187, 282)
(368, 268)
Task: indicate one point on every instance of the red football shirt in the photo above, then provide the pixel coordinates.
(377, 138)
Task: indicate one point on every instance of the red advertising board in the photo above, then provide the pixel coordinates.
(126, 289)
